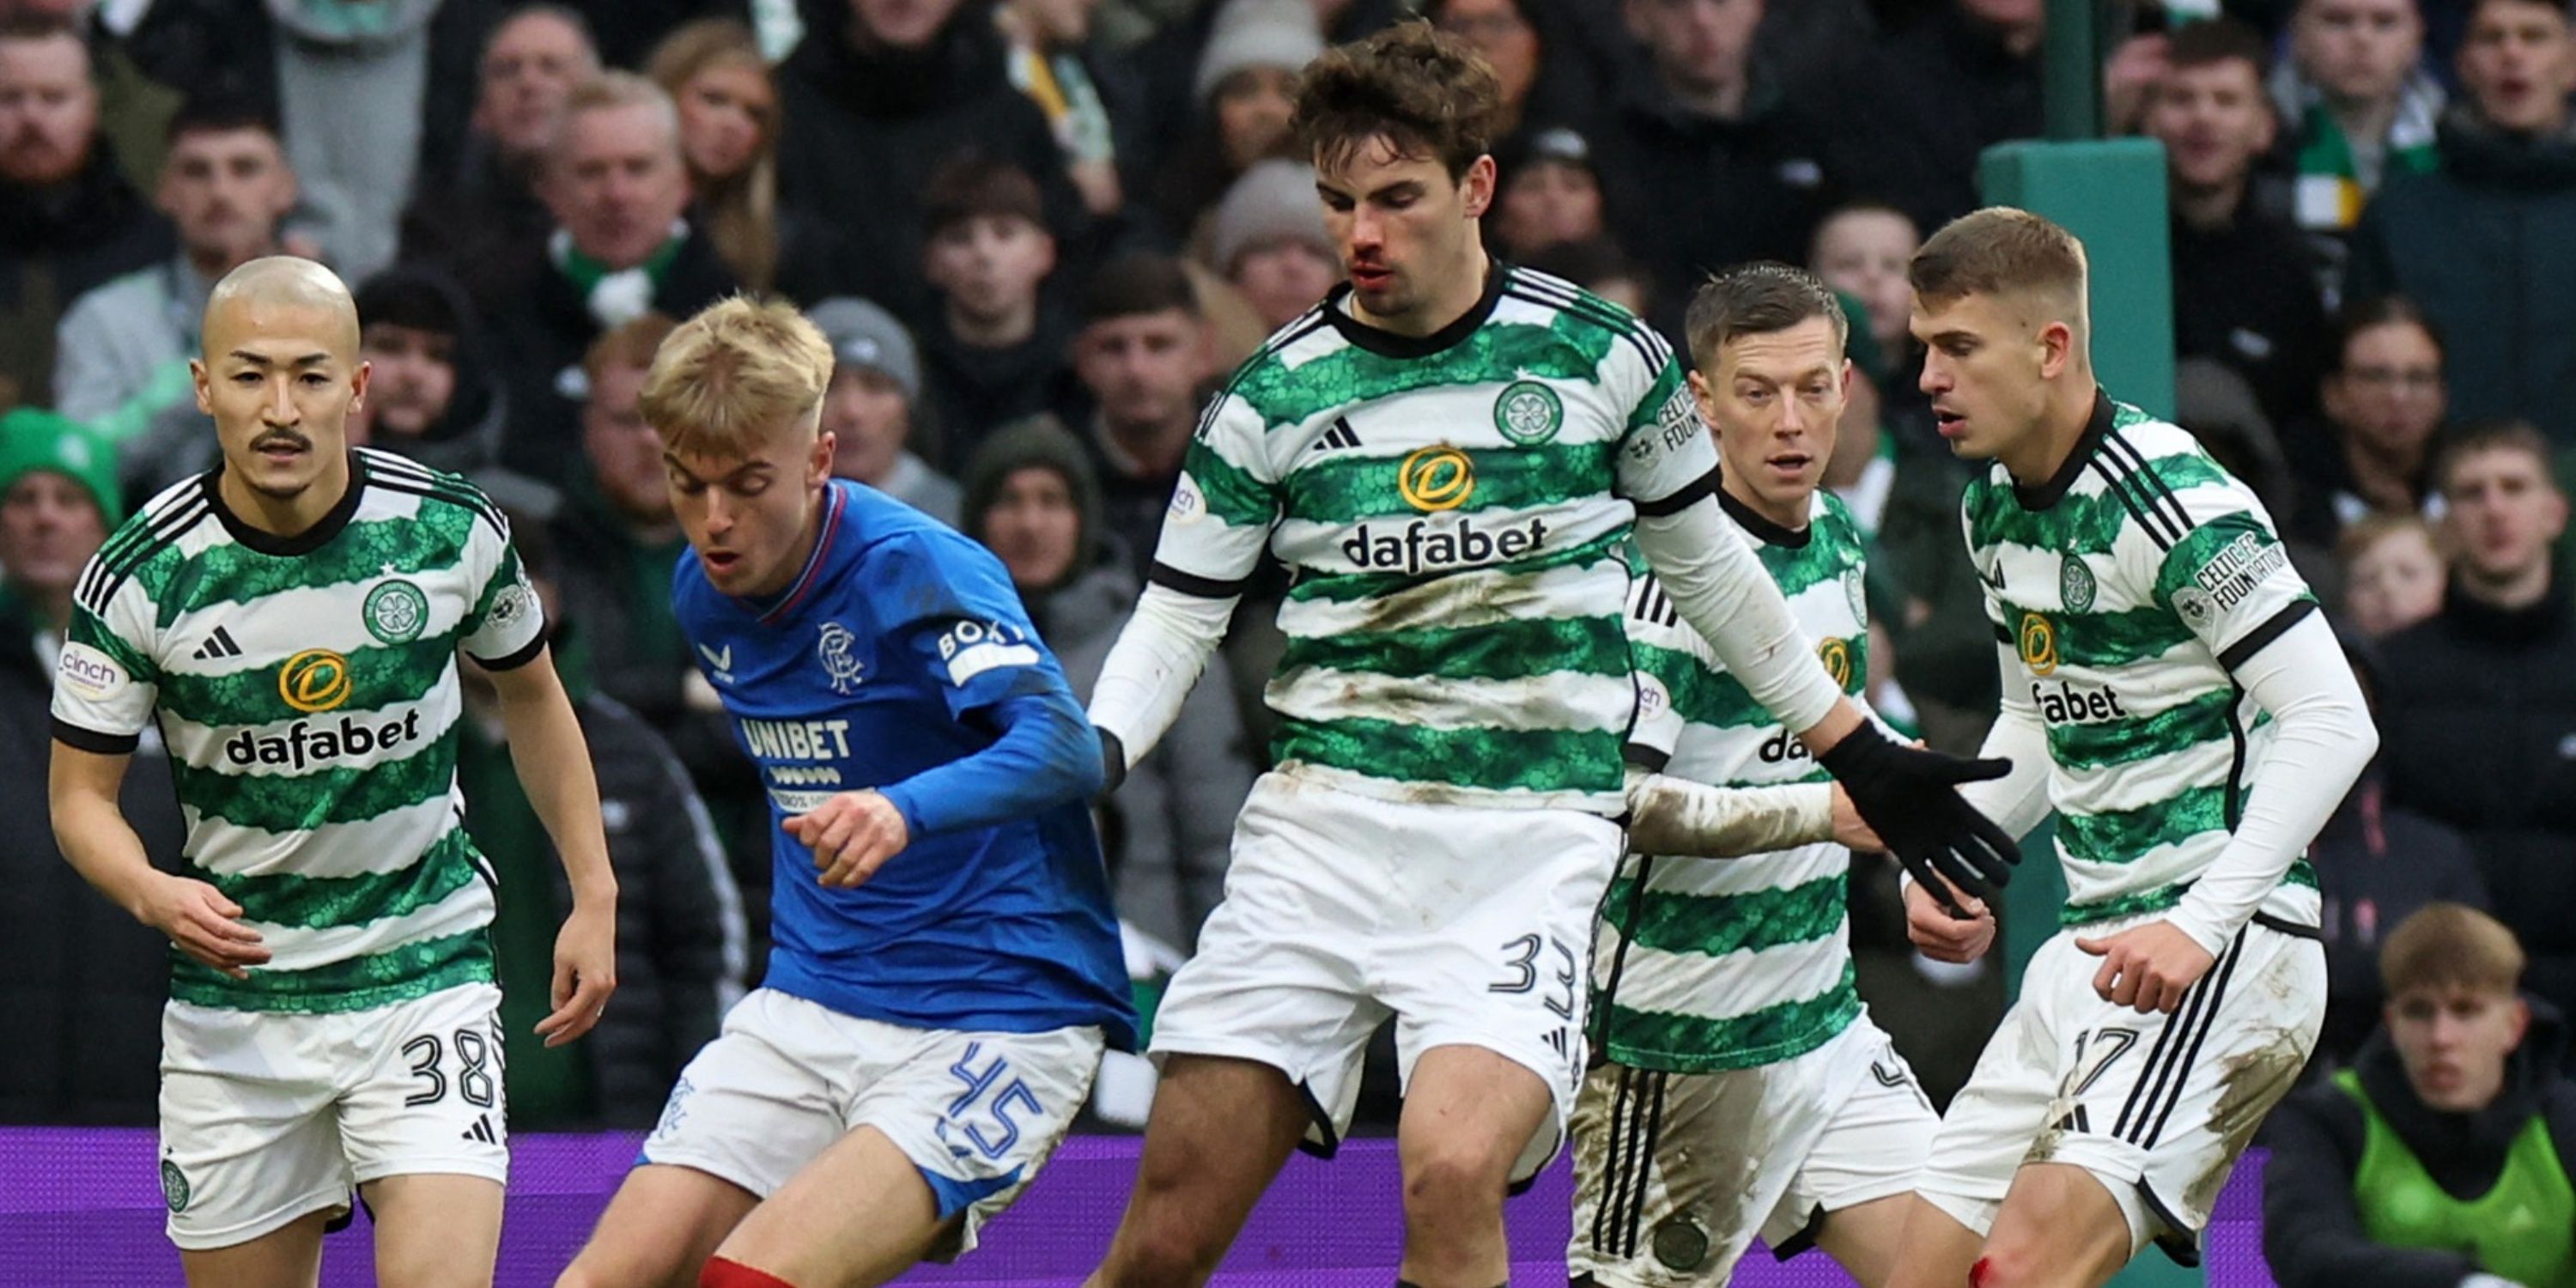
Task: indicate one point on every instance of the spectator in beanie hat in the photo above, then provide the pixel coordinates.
(873, 408)
(1551, 193)
(1270, 243)
(1245, 75)
(87, 981)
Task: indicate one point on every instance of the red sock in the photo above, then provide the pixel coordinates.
(721, 1273)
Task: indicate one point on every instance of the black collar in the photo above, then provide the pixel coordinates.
(1762, 529)
(301, 543)
(2054, 490)
(1388, 344)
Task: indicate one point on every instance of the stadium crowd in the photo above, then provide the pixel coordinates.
(1038, 233)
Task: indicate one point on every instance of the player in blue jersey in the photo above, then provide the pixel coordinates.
(946, 968)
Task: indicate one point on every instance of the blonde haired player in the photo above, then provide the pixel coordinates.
(945, 970)
(2171, 692)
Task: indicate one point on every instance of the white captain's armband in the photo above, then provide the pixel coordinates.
(89, 673)
(969, 649)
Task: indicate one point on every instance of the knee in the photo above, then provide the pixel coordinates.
(2010, 1263)
(1453, 1182)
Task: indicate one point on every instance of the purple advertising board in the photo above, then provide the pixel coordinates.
(83, 1207)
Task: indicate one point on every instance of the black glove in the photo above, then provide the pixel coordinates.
(1910, 797)
(1113, 762)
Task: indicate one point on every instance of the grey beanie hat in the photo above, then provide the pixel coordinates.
(864, 335)
(1257, 33)
(1272, 200)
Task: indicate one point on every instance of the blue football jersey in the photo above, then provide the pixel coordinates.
(882, 660)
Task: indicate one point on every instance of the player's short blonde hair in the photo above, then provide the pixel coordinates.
(2450, 946)
(739, 372)
(2001, 251)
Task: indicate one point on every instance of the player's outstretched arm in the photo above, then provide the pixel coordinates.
(91, 831)
(1676, 816)
(1160, 652)
(1910, 796)
(1046, 755)
(554, 767)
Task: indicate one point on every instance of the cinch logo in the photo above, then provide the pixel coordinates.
(310, 742)
(315, 680)
(1836, 654)
(2038, 643)
(2071, 705)
(1433, 479)
(1423, 548)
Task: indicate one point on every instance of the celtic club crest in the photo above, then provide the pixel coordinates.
(396, 611)
(1528, 413)
(2075, 585)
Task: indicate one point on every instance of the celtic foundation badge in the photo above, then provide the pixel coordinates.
(1528, 413)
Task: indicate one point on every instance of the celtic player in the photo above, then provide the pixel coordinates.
(289, 622)
(2172, 693)
(1745, 1090)
(1457, 459)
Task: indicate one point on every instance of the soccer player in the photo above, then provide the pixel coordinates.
(289, 623)
(1457, 459)
(2172, 693)
(946, 969)
(1745, 1090)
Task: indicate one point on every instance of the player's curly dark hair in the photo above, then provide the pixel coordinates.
(1421, 89)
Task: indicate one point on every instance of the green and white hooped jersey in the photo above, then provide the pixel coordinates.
(307, 690)
(1732, 964)
(1457, 511)
(2129, 587)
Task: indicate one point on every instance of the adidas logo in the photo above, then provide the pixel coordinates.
(219, 644)
(1339, 437)
(481, 1131)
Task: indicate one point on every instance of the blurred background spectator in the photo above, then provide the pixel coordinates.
(2478, 703)
(2439, 1158)
(620, 247)
(468, 214)
(2383, 398)
(877, 97)
(1143, 359)
(2244, 294)
(2483, 240)
(1268, 241)
(874, 409)
(121, 352)
(994, 350)
(69, 219)
(2392, 573)
(88, 983)
(2358, 106)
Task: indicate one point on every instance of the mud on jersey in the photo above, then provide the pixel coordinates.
(1457, 510)
(1736, 963)
(2128, 587)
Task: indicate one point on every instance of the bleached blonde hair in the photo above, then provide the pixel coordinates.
(739, 372)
